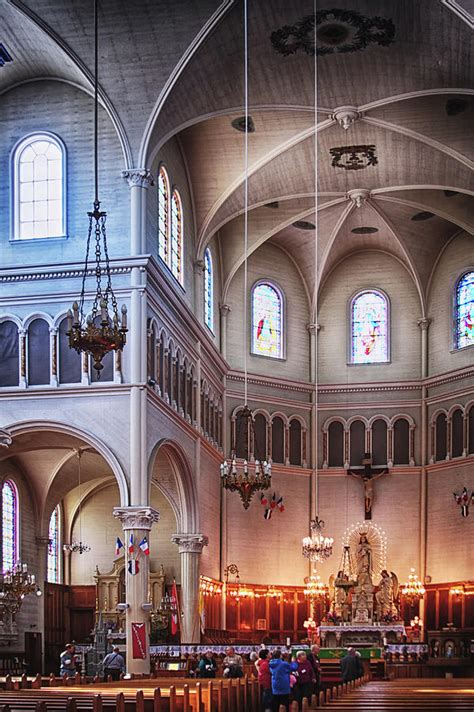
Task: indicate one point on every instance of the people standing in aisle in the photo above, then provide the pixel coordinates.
(113, 664)
(313, 658)
(351, 666)
(305, 678)
(281, 671)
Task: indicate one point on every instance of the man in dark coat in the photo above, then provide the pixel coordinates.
(351, 666)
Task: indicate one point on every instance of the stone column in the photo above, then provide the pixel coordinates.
(137, 521)
(199, 268)
(190, 548)
(22, 345)
(41, 573)
(313, 330)
(224, 310)
(53, 350)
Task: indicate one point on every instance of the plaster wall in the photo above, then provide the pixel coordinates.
(66, 111)
(455, 260)
(371, 270)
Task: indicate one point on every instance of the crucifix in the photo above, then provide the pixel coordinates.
(368, 475)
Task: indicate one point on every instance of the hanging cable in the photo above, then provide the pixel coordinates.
(315, 257)
(246, 195)
(96, 100)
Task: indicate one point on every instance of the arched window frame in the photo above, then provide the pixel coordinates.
(53, 565)
(456, 306)
(282, 355)
(208, 290)
(20, 147)
(12, 541)
(350, 322)
(163, 214)
(176, 236)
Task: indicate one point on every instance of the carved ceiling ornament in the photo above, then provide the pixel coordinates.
(337, 30)
(353, 158)
(136, 517)
(5, 438)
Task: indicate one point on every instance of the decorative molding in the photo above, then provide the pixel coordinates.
(354, 158)
(5, 438)
(42, 540)
(224, 309)
(313, 328)
(62, 274)
(141, 177)
(136, 517)
(199, 266)
(359, 196)
(190, 543)
(346, 116)
(424, 323)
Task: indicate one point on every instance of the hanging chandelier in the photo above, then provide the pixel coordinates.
(78, 547)
(102, 331)
(317, 547)
(244, 477)
(413, 590)
(314, 589)
(14, 586)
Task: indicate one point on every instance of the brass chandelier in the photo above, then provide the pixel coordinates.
(245, 478)
(317, 547)
(14, 586)
(413, 590)
(102, 332)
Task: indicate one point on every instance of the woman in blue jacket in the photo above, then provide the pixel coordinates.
(281, 671)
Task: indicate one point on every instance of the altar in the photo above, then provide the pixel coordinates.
(343, 636)
(364, 594)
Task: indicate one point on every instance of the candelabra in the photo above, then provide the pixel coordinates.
(314, 588)
(317, 547)
(14, 586)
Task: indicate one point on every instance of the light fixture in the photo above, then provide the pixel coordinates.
(317, 547)
(210, 587)
(413, 590)
(315, 589)
(240, 476)
(101, 332)
(14, 586)
(78, 547)
(345, 576)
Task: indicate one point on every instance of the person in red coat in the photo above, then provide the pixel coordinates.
(305, 678)
(264, 679)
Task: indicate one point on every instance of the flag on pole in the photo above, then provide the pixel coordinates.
(130, 545)
(118, 546)
(144, 546)
(174, 609)
(133, 567)
(263, 500)
(280, 505)
(273, 501)
(267, 514)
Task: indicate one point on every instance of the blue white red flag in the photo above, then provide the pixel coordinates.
(144, 546)
(130, 545)
(118, 546)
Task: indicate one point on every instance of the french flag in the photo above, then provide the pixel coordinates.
(118, 546)
(131, 548)
(144, 546)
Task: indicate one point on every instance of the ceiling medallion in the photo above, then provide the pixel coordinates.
(244, 125)
(353, 158)
(364, 230)
(304, 225)
(337, 31)
(424, 215)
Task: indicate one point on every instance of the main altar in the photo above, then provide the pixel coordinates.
(364, 594)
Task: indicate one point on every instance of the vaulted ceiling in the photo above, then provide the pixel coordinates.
(176, 69)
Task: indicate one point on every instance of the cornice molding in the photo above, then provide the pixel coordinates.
(34, 273)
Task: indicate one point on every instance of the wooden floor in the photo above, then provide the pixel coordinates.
(430, 695)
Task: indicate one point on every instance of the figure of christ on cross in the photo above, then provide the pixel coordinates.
(368, 475)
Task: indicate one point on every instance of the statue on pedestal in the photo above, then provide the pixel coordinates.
(362, 597)
(386, 596)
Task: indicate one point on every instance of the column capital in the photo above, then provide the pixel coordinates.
(224, 309)
(5, 438)
(42, 540)
(190, 543)
(424, 323)
(313, 328)
(140, 177)
(199, 266)
(136, 517)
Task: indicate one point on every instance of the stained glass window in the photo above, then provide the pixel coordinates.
(9, 525)
(176, 235)
(465, 311)
(208, 291)
(163, 214)
(53, 547)
(39, 188)
(369, 328)
(267, 320)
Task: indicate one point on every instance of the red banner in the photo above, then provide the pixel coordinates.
(139, 641)
(174, 609)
